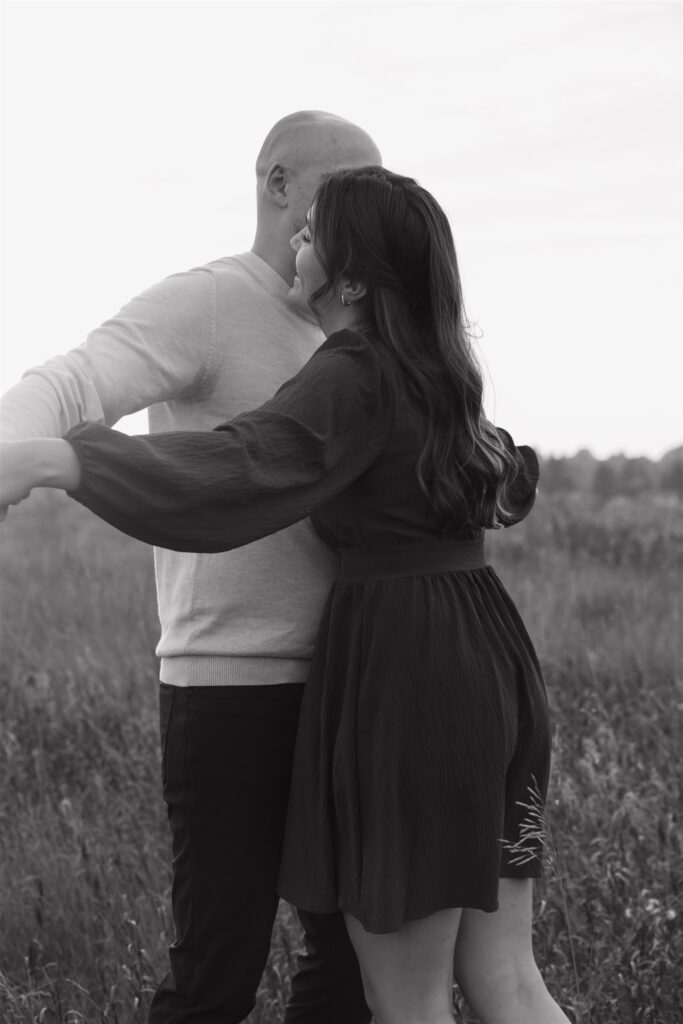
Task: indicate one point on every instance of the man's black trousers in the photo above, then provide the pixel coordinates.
(226, 765)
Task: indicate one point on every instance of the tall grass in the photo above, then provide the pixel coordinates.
(84, 848)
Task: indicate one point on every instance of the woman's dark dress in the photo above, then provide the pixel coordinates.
(424, 723)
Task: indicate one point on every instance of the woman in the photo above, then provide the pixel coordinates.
(424, 723)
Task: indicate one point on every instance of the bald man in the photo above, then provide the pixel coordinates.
(237, 629)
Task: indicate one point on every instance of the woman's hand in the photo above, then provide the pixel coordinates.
(17, 475)
(43, 462)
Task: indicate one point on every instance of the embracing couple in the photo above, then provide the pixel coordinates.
(351, 709)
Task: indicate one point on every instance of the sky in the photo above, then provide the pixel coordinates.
(549, 130)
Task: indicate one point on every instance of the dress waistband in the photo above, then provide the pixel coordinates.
(411, 560)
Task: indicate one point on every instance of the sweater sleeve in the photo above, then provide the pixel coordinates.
(255, 475)
(158, 346)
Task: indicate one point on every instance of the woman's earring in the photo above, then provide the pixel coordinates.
(346, 301)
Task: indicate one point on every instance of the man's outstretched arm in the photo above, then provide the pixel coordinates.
(159, 346)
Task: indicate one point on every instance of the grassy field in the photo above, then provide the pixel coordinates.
(84, 876)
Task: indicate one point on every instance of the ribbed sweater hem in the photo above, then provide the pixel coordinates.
(208, 670)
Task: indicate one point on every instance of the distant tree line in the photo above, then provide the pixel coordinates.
(618, 475)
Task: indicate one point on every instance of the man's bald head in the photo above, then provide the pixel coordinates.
(297, 153)
(311, 138)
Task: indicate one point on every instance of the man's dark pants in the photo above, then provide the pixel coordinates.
(226, 765)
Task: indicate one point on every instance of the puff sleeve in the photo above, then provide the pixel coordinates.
(521, 493)
(252, 476)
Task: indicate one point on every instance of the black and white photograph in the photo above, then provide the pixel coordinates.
(341, 512)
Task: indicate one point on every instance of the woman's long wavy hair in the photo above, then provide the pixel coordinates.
(387, 232)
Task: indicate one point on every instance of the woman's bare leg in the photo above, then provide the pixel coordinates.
(408, 974)
(494, 962)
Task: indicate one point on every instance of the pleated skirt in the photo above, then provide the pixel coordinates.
(423, 749)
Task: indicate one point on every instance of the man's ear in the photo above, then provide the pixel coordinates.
(276, 184)
(353, 290)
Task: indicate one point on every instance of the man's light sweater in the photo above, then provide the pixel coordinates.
(198, 349)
